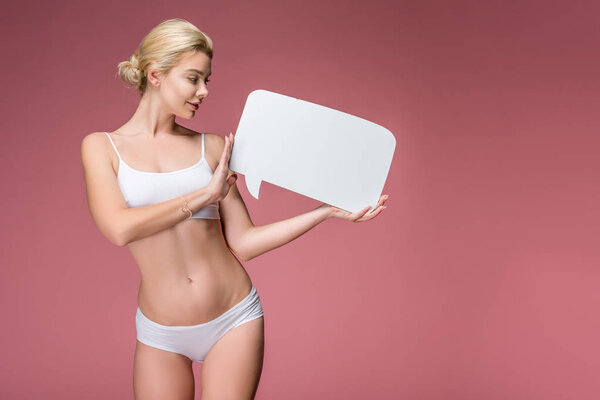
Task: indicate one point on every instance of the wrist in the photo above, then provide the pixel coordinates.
(326, 209)
(210, 195)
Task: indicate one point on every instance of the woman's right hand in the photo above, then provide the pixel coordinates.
(220, 183)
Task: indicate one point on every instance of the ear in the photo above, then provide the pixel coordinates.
(154, 77)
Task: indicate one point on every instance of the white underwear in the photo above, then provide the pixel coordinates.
(194, 341)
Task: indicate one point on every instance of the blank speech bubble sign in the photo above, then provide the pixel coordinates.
(316, 151)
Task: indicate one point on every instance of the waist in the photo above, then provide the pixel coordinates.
(188, 273)
(196, 296)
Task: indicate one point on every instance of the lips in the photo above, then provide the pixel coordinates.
(194, 106)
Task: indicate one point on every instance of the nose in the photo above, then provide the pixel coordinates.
(202, 92)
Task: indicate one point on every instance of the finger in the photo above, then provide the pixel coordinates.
(225, 150)
(224, 155)
(225, 147)
(376, 212)
(372, 215)
(360, 214)
(230, 147)
(231, 180)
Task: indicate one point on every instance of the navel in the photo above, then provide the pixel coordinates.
(190, 280)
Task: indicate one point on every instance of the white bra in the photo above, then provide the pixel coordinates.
(141, 188)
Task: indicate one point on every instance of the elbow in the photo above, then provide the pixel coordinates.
(242, 247)
(246, 258)
(121, 242)
(113, 235)
(119, 237)
(242, 255)
(118, 240)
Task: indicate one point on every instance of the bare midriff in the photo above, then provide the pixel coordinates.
(189, 275)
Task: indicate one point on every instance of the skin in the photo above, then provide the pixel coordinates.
(189, 272)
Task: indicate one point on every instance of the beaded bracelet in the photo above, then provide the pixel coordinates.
(185, 207)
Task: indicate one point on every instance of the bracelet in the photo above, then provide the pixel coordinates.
(185, 208)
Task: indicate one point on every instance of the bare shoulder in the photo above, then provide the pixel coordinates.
(93, 143)
(93, 137)
(216, 140)
(96, 152)
(213, 148)
(214, 145)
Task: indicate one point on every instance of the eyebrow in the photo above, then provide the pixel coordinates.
(199, 72)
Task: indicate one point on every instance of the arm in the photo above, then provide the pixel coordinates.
(248, 241)
(260, 239)
(118, 223)
(139, 222)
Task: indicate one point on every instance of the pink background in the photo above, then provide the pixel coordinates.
(479, 281)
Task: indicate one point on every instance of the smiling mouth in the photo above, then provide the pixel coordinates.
(194, 106)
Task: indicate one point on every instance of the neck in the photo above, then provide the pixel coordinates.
(151, 119)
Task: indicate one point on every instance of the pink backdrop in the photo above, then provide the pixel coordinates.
(479, 281)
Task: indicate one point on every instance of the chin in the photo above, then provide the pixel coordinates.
(186, 115)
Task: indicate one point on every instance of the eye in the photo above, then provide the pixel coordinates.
(194, 80)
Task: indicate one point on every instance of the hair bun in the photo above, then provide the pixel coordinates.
(134, 63)
(130, 71)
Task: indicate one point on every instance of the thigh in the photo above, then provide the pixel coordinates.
(232, 367)
(161, 374)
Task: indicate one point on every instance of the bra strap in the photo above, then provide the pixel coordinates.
(113, 144)
(203, 145)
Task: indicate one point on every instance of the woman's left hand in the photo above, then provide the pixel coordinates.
(360, 215)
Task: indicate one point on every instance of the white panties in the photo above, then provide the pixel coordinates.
(194, 341)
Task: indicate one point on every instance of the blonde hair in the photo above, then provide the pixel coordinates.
(163, 47)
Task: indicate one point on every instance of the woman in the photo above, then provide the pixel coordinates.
(184, 223)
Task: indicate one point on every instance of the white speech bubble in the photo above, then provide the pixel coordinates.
(316, 151)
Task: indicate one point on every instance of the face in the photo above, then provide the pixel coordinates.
(186, 83)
